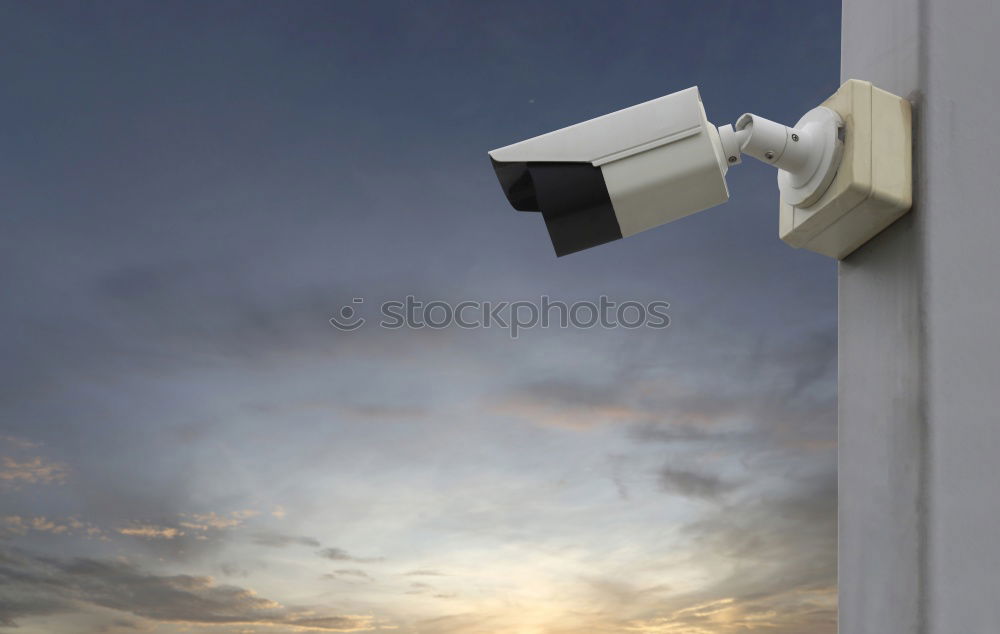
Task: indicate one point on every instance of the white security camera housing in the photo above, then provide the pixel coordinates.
(661, 160)
(619, 174)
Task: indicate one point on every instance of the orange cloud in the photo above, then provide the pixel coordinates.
(212, 520)
(150, 531)
(14, 473)
(19, 525)
(23, 524)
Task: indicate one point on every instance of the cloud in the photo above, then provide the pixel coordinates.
(616, 594)
(779, 394)
(672, 433)
(22, 525)
(424, 572)
(191, 525)
(278, 540)
(152, 531)
(170, 325)
(385, 412)
(196, 529)
(19, 525)
(14, 473)
(691, 484)
(352, 572)
(17, 442)
(457, 624)
(791, 529)
(348, 572)
(39, 586)
(766, 552)
(567, 404)
(233, 570)
(772, 564)
(789, 613)
(17, 605)
(125, 625)
(339, 554)
(212, 520)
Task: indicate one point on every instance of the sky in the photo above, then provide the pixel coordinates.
(190, 191)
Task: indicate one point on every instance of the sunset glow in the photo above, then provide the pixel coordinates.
(194, 189)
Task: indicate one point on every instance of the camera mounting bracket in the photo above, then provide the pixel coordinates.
(844, 169)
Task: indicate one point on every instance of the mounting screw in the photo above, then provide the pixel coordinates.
(732, 159)
(769, 155)
(795, 137)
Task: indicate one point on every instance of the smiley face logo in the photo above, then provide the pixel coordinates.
(347, 320)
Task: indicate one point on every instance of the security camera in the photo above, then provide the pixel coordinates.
(661, 160)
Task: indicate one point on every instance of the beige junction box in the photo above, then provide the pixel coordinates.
(873, 185)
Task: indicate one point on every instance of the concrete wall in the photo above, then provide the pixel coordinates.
(919, 353)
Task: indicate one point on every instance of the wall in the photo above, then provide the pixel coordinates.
(919, 384)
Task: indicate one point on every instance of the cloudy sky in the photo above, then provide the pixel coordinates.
(190, 191)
